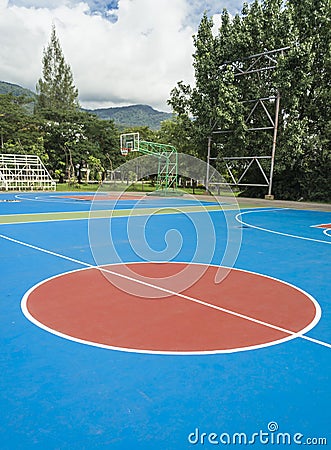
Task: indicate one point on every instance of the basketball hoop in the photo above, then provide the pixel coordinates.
(129, 142)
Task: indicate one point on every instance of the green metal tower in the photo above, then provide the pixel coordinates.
(166, 154)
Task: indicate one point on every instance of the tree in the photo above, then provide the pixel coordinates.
(262, 26)
(56, 89)
(209, 102)
(302, 77)
(72, 136)
(304, 159)
(20, 132)
(178, 132)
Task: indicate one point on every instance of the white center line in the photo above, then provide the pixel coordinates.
(168, 291)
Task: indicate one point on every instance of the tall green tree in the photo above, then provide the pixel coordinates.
(56, 89)
(304, 157)
(210, 102)
(71, 136)
(302, 77)
(262, 26)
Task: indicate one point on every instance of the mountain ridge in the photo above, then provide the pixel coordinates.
(16, 89)
(123, 116)
(133, 115)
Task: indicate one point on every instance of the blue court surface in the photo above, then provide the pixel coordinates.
(63, 393)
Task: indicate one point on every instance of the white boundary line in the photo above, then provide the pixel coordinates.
(49, 252)
(239, 215)
(47, 199)
(326, 230)
(68, 200)
(291, 334)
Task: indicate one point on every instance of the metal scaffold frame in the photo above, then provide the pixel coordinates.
(254, 64)
(24, 173)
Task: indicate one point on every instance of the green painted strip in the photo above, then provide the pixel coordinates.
(42, 217)
(83, 215)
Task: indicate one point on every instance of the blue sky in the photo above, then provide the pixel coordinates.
(197, 7)
(96, 6)
(121, 51)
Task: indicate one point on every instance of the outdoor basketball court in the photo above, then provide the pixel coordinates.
(163, 323)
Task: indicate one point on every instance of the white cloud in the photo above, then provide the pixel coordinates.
(138, 58)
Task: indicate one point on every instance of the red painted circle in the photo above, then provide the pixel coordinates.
(245, 310)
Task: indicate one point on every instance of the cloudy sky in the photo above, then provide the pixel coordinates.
(121, 52)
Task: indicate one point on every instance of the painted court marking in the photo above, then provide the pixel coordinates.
(187, 297)
(85, 306)
(87, 198)
(239, 219)
(107, 197)
(326, 228)
(102, 214)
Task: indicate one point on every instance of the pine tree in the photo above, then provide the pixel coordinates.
(56, 89)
